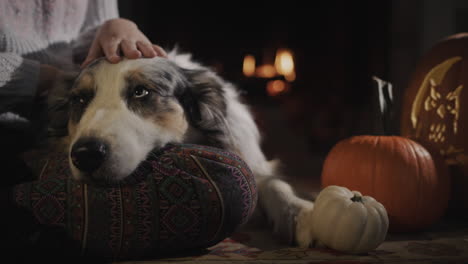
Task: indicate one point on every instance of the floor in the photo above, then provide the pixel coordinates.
(447, 242)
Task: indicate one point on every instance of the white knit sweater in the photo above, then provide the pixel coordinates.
(34, 32)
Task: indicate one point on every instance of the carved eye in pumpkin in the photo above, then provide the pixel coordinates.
(431, 101)
(454, 98)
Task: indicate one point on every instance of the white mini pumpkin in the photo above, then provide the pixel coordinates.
(347, 221)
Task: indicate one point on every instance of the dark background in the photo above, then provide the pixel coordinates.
(338, 46)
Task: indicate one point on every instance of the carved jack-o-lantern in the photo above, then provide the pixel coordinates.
(435, 108)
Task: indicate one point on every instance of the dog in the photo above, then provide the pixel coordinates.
(118, 113)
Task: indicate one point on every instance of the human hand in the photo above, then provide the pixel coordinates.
(121, 35)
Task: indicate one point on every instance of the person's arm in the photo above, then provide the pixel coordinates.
(19, 78)
(22, 82)
(24, 85)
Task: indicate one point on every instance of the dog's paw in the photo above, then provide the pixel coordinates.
(284, 225)
(304, 230)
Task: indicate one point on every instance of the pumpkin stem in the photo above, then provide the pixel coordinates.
(356, 198)
(386, 106)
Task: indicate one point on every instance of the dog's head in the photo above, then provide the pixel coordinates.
(118, 113)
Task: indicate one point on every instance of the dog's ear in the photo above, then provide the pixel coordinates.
(58, 103)
(203, 99)
(188, 99)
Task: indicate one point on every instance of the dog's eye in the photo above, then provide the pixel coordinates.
(79, 99)
(140, 91)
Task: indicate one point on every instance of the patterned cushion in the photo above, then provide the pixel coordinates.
(183, 197)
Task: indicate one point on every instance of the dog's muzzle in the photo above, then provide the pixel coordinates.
(88, 154)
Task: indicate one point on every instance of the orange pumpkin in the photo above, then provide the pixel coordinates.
(397, 172)
(435, 109)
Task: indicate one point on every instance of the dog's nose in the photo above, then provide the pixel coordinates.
(88, 154)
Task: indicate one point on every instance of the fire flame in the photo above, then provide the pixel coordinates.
(277, 87)
(249, 65)
(284, 64)
(266, 71)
